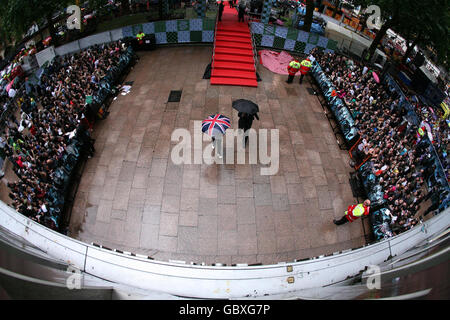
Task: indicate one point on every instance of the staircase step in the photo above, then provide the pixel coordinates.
(233, 63)
(229, 73)
(234, 51)
(233, 66)
(233, 82)
(233, 58)
(233, 34)
(233, 28)
(232, 44)
(232, 39)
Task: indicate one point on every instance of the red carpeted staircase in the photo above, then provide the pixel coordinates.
(233, 62)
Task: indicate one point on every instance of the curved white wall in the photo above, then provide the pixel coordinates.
(214, 281)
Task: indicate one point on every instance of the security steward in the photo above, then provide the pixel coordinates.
(140, 38)
(304, 68)
(293, 68)
(354, 212)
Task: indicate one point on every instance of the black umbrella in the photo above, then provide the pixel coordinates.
(245, 106)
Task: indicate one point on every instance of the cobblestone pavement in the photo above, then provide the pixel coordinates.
(132, 197)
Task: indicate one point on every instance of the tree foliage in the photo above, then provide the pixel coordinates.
(99, 6)
(419, 22)
(17, 16)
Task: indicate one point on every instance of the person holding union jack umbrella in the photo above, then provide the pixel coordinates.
(215, 126)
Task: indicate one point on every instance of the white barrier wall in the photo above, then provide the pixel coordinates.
(215, 281)
(68, 48)
(116, 34)
(100, 38)
(45, 55)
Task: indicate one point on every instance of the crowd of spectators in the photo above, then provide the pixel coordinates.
(439, 128)
(53, 112)
(401, 160)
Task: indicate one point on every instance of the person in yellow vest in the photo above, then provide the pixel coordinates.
(293, 68)
(354, 212)
(140, 37)
(304, 68)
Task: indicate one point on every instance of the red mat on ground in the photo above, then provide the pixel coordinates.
(233, 56)
(276, 62)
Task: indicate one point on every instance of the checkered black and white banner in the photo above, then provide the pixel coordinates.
(201, 8)
(289, 39)
(202, 30)
(175, 31)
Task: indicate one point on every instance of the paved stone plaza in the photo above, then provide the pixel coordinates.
(132, 197)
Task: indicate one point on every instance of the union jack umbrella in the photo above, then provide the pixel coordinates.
(215, 124)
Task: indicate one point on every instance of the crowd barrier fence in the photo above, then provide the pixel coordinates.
(379, 219)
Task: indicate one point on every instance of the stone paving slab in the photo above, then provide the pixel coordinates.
(132, 197)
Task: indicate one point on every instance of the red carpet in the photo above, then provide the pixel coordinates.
(233, 62)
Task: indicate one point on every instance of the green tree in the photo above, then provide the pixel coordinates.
(17, 16)
(425, 27)
(423, 23)
(390, 14)
(411, 31)
(433, 30)
(99, 6)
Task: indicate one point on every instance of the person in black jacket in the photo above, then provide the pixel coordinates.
(221, 7)
(245, 123)
(241, 11)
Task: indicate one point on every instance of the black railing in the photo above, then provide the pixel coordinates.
(255, 51)
(214, 44)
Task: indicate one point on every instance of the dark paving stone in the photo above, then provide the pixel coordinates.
(245, 209)
(187, 239)
(263, 195)
(280, 202)
(207, 206)
(226, 194)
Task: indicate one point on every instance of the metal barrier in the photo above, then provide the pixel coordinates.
(214, 44)
(336, 108)
(255, 52)
(216, 281)
(359, 164)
